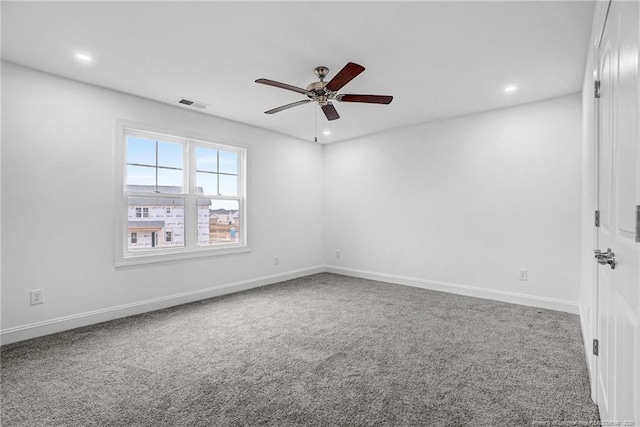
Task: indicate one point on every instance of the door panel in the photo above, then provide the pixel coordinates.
(626, 328)
(627, 112)
(605, 170)
(618, 292)
(605, 367)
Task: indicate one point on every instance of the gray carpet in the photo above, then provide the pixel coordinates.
(323, 350)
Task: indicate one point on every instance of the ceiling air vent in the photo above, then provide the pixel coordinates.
(191, 103)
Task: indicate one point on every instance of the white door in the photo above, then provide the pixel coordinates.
(618, 293)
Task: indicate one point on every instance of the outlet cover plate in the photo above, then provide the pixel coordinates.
(523, 274)
(37, 296)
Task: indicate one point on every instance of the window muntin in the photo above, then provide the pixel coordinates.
(153, 164)
(176, 218)
(217, 171)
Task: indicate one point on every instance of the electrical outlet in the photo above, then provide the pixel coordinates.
(37, 296)
(338, 254)
(276, 260)
(523, 274)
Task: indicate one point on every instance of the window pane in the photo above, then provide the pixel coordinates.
(206, 159)
(141, 150)
(141, 176)
(218, 222)
(170, 180)
(170, 154)
(206, 183)
(165, 217)
(228, 162)
(229, 185)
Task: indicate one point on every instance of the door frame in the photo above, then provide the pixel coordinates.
(603, 15)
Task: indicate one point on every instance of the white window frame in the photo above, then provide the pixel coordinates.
(125, 257)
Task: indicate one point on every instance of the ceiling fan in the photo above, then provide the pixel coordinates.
(323, 92)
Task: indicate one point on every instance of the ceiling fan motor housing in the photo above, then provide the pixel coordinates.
(318, 92)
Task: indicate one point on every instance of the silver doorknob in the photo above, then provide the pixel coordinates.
(607, 257)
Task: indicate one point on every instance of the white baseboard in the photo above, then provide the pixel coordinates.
(60, 324)
(453, 288)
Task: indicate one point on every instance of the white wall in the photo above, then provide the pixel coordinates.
(458, 205)
(58, 208)
(462, 204)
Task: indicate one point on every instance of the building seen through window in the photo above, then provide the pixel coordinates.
(157, 222)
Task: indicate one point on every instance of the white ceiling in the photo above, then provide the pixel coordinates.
(438, 59)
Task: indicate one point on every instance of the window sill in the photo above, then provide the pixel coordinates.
(154, 258)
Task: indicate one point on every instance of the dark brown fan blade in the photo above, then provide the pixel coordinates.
(282, 86)
(348, 73)
(330, 111)
(286, 107)
(369, 99)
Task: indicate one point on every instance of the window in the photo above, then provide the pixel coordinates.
(189, 191)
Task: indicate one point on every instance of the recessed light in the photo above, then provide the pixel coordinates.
(82, 57)
(326, 132)
(511, 89)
